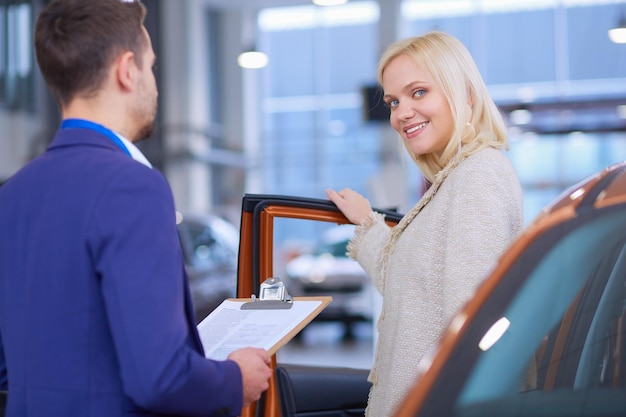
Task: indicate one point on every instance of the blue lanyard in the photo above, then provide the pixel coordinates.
(86, 124)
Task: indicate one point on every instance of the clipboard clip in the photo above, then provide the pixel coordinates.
(273, 296)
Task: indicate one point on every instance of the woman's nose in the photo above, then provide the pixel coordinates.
(405, 111)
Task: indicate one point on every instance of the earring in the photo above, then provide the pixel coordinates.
(469, 133)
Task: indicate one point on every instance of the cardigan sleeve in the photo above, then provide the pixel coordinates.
(484, 215)
(366, 246)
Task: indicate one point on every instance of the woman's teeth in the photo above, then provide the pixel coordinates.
(416, 128)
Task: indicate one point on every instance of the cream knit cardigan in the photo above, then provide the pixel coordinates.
(434, 261)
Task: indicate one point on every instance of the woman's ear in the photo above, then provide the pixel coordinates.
(469, 132)
(470, 105)
(470, 100)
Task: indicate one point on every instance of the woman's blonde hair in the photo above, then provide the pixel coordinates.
(475, 115)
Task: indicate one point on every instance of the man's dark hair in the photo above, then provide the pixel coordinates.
(77, 40)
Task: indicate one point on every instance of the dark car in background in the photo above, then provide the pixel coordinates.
(210, 245)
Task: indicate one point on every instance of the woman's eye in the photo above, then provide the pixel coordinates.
(391, 104)
(419, 93)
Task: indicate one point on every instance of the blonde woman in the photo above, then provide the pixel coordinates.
(429, 265)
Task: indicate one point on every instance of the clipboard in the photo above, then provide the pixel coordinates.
(230, 327)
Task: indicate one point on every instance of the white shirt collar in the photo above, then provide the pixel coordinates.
(135, 153)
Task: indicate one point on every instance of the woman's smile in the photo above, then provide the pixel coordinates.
(414, 130)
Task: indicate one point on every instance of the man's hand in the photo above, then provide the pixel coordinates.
(254, 364)
(352, 204)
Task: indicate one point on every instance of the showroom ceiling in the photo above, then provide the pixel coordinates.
(255, 4)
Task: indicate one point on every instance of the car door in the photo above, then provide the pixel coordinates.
(295, 390)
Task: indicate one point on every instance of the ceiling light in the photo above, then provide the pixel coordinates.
(618, 34)
(252, 59)
(329, 2)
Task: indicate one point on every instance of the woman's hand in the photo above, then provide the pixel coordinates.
(352, 204)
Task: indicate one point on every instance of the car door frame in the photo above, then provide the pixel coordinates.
(255, 263)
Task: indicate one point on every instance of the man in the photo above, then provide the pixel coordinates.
(95, 313)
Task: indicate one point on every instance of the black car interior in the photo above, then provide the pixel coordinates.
(307, 391)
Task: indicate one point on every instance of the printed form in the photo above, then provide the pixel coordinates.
(229, 328)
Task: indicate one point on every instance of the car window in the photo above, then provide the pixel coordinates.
(310, 258)
(558, 347)
(334, 241)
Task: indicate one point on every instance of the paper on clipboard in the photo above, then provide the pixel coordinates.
(229, 328)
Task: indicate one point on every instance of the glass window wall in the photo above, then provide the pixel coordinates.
(551, 59)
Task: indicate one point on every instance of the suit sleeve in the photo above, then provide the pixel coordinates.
(136, 253)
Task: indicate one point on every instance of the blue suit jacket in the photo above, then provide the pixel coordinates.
(95, 314)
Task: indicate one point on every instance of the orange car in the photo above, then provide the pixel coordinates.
(545, 334)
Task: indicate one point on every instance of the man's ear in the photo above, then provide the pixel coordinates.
(125, 70)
